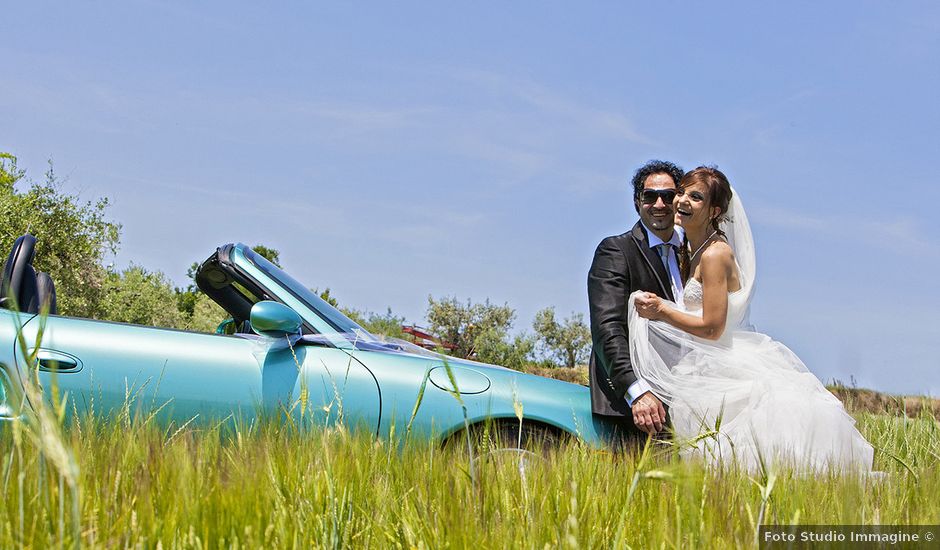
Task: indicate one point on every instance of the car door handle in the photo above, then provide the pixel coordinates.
(50, 360)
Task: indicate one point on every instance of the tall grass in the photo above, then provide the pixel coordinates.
(270, 484)
(120, 479)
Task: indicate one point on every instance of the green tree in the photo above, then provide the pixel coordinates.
(460, 324)
(72, 236)
(142, 297)
(186, 297)
(387, 324)
(206, 315)
(357, 316)
(9, 173)
(328, 298)
(567, 342)
(494, 347)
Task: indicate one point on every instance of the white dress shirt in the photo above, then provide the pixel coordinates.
(671, 263)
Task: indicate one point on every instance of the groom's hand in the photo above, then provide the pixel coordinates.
(650, 306)
(649, 414)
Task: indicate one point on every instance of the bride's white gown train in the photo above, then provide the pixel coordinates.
(766, 404)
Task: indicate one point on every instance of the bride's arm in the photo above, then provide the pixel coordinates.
(716, 266)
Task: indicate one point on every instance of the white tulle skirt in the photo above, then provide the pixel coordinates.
(746, 398)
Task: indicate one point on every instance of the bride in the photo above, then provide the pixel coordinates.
(734, 394)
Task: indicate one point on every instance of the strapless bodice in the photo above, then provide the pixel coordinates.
(692, 295)
(692, 299)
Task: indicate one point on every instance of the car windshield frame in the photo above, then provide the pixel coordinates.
(340, 324)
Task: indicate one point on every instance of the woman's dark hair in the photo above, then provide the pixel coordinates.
(650, 168)
(719, 190)
(719, 194)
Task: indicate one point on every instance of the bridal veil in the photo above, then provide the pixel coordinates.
(743, 396)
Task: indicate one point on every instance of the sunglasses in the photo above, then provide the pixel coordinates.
(649, 196)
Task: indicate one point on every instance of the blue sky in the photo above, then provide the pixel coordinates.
(396, 151)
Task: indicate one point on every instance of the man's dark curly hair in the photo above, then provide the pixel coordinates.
(650, 168)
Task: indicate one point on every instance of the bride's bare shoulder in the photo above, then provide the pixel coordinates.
(719, 253)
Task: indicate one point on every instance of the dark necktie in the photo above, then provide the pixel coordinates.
(663, 250)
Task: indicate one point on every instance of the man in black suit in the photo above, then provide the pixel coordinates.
(644, 258)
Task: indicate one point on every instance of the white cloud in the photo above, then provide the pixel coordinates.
(553, 104)
(781, 217)
(903, 236)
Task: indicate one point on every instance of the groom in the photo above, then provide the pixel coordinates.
(644, 258)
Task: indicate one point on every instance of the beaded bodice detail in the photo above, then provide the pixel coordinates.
(692, 295)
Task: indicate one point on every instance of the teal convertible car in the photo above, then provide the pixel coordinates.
(287, 343)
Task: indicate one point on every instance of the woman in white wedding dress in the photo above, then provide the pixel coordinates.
(716, 374)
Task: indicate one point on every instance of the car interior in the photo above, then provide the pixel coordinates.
(27, 290)
(23, 288)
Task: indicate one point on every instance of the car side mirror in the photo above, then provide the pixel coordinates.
(274, 320)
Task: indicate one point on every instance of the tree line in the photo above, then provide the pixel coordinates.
(75, 236)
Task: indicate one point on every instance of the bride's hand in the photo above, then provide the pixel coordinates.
(650, 306)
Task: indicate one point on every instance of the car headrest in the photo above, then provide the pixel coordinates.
(18, 287)
(45, 293)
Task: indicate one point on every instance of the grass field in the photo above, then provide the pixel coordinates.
(128, 482)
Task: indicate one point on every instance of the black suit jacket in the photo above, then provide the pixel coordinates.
(622, 265)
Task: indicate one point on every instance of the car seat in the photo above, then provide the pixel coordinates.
(45, 290)
(22, 288)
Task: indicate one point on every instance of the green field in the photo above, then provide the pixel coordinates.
(129, 482)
